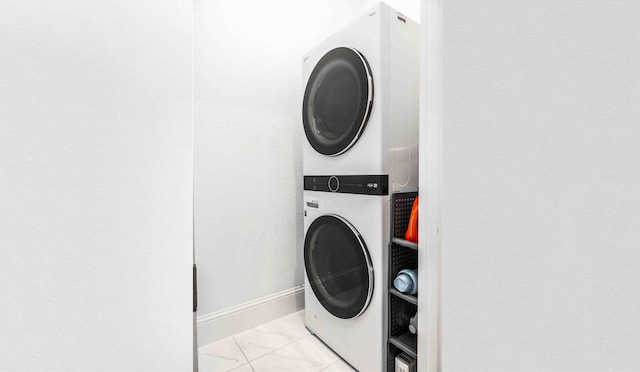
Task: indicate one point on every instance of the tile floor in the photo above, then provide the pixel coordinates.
(280, 345)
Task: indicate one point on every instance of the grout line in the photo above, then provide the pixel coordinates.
(262, 356)
(309, 334)
(283, 346)
(240, 347)
(236, 368)
(294, 341)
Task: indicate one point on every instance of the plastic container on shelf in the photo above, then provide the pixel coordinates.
(406, 281)
(412, 230)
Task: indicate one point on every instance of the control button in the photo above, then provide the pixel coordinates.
(334, 183)
(373, 185)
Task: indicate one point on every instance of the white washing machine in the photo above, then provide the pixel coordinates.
(345, 250)
(360, 104)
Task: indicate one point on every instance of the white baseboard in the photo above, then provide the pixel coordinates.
(226, 322)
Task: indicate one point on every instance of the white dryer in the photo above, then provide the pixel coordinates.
(360, 104)
(345, 249)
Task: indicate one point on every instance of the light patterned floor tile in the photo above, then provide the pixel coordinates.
(268, 337)
(307, 354)
(339, 366)
(207, 363)
(243, 368)
(220, 356)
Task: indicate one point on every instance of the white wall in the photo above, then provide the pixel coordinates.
(95, 185)
(540, 234)
(248, 166)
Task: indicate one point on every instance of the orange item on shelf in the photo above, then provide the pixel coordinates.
(412, 229)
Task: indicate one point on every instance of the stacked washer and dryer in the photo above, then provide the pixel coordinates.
(360, 117)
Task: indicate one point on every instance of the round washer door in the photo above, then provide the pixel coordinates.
(337, 101)
(338, 266)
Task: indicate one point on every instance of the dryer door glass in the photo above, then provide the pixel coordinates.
(337, 101)
(338, 266)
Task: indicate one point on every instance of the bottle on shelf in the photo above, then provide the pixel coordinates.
(405, 363)
(413, 324)
(406, 281)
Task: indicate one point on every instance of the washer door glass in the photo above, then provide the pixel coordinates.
(337, 101)
(338, 266)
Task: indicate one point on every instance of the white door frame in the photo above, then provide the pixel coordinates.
(430, 184)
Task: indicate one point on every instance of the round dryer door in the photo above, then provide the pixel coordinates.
(338, 266)
(337, 101)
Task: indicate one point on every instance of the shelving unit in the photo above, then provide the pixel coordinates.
(404, 243)
(403, 254)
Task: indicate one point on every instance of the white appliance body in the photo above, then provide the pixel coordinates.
(359, 340)
(388, 143)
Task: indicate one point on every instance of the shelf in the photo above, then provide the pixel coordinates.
(406, 342)
(406, 297)
(404, 243)
(402, 254)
